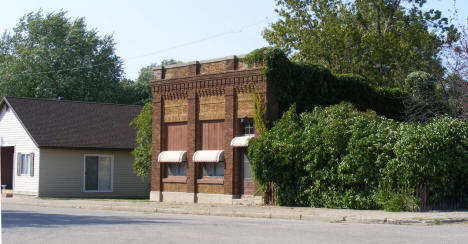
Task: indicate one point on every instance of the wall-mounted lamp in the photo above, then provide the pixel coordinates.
(243, 119)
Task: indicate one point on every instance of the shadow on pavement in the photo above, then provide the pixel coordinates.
(13, 219)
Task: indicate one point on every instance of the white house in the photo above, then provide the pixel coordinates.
(61, 148)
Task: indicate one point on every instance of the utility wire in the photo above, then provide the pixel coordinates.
(242, 29)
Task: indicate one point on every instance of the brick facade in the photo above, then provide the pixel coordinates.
(212, 90)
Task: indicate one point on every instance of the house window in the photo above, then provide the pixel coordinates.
(98, 173)
(213, 169)
(247, 127)
(177, 169)
(25, 164)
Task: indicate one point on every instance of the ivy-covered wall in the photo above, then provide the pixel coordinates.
(310, 85)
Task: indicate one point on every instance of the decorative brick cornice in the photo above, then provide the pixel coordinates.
(208, 84)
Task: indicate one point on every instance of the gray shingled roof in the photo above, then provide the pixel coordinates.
(72, 124)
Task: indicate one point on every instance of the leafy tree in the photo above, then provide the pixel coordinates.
(456, 57)
(428, 97)
(378, 39)
(142, 85)
(50, 55)
(458, 95)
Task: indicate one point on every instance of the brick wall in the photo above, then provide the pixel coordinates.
(217, 89)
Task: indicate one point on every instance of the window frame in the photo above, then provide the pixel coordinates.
(243, 127)
(23, 156)
(112, 172)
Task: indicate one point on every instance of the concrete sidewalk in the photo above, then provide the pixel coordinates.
(297, 213)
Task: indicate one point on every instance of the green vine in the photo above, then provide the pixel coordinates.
(259, 110)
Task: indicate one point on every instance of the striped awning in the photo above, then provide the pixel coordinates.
(172, 156)
(241, 141)
(208, 156)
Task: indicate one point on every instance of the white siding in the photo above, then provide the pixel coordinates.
(62, 172)
(12, 133)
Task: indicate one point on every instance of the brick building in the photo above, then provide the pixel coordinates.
(202, 121)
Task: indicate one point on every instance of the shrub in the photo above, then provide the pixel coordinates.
(338, 157)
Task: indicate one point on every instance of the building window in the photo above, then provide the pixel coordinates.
(247, 126)
(176, 169)
(25, 164)
(247, 166)
(98, 173)
(213, 169)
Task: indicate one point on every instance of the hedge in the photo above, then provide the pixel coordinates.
(339, 157)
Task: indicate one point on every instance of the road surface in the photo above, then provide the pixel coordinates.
(31, 224)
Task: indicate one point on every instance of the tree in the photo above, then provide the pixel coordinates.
(456, 53)
(458, 95)
(378, 39)
(142, 86)
(428, 99)
(50, 56)
(456, 57)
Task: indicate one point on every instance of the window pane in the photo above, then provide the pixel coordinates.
(91, 173)
(27, 163)
(171, 169)
(105, 171)
(182, 169)
(247, 166)
(208, 169)
(219, 169)
(213, 169)
(178, 169)
(247, 127)
(24, 163)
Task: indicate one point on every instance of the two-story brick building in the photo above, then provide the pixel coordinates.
(202, 122)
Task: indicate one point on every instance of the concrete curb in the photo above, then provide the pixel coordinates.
(229, 211)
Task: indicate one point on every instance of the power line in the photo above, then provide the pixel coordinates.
(242, 29)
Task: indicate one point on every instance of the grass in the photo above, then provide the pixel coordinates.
(437, 222)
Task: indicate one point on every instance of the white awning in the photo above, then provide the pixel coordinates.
(172, 156)
(241, 141)
(208, 156)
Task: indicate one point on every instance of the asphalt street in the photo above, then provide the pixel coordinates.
(31, 224)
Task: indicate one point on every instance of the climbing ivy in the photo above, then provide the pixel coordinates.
(308, 86)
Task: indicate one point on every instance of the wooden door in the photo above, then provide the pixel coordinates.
(7, 166)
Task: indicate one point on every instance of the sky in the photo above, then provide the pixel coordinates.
(148, 32)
